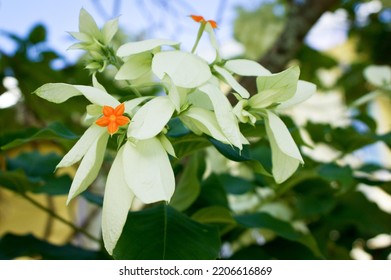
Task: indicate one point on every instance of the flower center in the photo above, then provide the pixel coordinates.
(113, 118)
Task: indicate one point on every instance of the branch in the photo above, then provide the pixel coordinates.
(301, 18)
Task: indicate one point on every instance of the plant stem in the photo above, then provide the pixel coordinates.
(61, 219)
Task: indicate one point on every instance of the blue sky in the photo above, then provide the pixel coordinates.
(18, 16)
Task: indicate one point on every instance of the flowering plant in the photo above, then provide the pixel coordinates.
(143, 125)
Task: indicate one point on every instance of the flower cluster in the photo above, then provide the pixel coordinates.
(192, 93)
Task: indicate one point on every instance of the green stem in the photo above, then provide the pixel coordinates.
(61, 219)
(199, 35)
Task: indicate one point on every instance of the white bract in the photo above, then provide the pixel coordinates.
(190, 91)
(277, 92)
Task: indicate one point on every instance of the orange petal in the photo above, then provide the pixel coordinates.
(112, 128)
(213, 23)
(103, 121)
(119, 110)
(197, 18)
(122, 120)
(107, 110)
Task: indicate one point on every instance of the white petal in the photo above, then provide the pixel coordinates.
(98, 96)
(204, 121)
(232, 82)
(57, 92)
(143, 46)
(89, 167)
(378, 75)
(185, 69)
(135, 66)
(246, 67)
(148, 171)
(116, 203)
(82, 145)
(285, 154)
(224, 114)
(151, 118)
(304, 91)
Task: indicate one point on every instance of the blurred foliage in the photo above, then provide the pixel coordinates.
(319, 213)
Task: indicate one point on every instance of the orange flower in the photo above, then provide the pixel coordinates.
(113, 118)
(202, 20)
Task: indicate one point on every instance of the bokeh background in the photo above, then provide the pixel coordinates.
(348, 206)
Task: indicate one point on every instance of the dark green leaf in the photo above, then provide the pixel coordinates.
(52, 131)
(163, 233)
(281, 228)
(341, 175)
(38, 34)
(235, 185)
(214, 215)
(188, 187)
(13, 246)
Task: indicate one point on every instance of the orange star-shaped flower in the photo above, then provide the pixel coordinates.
(202, 20)
(113, 118)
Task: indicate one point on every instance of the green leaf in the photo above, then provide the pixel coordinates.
(281, 228)
(212, 193)
(188, 188)
(342, 175)
(54, 131)
(162, 233)
(38, 34)
(34, 163)
(189, 144)
(13, 246)
(236, 185)
(243, 155)
(214, 215)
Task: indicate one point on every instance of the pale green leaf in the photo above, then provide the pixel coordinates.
(143, 46)
(167, 145)
(246, 67)
(224, 114)
(116, 203)
(201, 120)
(98, 96)
(89, 167)
(304, 91)
(286, 156)
(232, 82)
(185, 69)
(148, 171)
(275, 88)
(109, 30)
(82, 145)
(151, 118)
(83, 37)
(88, 25)
(135, 66)
(57, 92)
